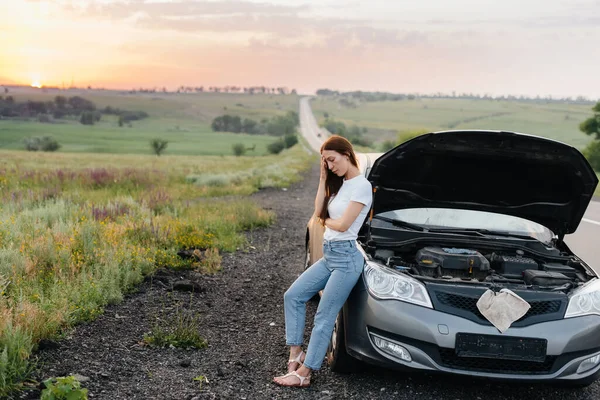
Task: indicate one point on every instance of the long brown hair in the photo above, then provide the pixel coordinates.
(333, 183)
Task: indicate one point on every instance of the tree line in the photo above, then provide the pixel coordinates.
(353, 133)
(386, 96)
(279, 125)
(279, 90)
(64, 107)
(283, 126)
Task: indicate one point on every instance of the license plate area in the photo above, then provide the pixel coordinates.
(501, 347)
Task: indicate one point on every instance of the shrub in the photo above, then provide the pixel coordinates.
(158, 146)
(290, 140)
(592, 153)
(87, 118)
(46, 143)
(276, 147)
(388, 145)
(404, 136)
(239, 149)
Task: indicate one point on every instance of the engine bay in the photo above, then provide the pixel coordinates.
(484, 265)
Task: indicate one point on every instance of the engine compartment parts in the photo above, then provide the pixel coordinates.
(561, 268)
(497, 267)
(452, 259)
(545, 278)
(512, 266)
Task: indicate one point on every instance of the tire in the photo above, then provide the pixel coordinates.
(337, 357)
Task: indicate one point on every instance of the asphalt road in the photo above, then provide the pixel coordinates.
(584, 242)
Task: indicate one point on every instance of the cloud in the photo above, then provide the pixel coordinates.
(188, 9)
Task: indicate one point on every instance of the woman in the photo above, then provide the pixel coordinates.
(342, 203)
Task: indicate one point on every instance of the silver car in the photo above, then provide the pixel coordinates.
(457, 214)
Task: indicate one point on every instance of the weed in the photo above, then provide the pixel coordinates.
(180, 330)
(201, 379)
(63, 388)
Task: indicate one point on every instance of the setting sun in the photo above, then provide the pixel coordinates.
(36, 84)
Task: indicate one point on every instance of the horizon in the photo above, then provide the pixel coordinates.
(542, 48)
(158, 90)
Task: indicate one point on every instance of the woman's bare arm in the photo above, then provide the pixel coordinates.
(321, 191)
(350, 214)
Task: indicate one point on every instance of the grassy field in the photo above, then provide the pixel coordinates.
(384, 119)
(77, 231)
(181, 119)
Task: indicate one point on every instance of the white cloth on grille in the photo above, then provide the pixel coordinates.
(503, 308)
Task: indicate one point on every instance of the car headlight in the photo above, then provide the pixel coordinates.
(385, 283)
(585, 300)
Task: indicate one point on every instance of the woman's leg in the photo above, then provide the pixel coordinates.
(303, 289)
(336, 291)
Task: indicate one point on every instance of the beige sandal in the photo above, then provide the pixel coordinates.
(299, 359)
(303, 381)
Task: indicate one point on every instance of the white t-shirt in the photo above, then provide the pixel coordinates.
(356, 189)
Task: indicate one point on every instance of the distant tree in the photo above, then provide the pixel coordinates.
(591, 126)
(121, 121)
(79, 104)
(290, 140)
(227, 123)
(249, 125)
(87, 118)
(46, 143)
(238, 149)
(404, 136)
(276, 147)
(60, 101)
(158, 146)
(592, 153)
(5, 90)
(388, 145)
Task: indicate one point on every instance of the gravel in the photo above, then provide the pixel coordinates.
(241, 314)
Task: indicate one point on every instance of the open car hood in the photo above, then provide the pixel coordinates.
(526, 176)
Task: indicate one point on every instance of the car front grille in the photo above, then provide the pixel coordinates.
(462, 301)
(470, 304)
(449, 359)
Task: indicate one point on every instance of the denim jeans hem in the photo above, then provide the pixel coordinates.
(311, 368)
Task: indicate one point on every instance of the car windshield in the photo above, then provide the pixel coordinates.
(468, 219)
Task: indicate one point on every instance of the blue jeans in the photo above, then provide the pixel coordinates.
(335, 273)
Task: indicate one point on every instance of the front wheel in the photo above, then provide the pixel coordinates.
(337, 357)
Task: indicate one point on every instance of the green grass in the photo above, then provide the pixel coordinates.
(181, 119)
(384, 119)
(78, 230)
(107, 137)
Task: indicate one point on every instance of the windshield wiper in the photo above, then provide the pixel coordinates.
(461, 231)
(484, 232)
(505, 234)
(400, 223)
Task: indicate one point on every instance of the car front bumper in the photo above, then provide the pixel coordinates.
(430, 335)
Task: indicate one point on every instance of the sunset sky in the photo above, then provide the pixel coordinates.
(545, 47)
